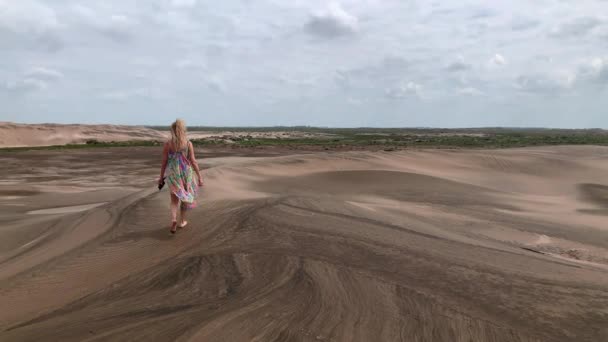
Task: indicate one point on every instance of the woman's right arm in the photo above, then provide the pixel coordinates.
(164, 162)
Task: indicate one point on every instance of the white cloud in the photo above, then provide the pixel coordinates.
(42, 73)
(118, 27)
(521, 23)
(29, 24)
(576, 28)
(117, 95)
(498, 60)
(34, 79)
(27, 17)
(306, 82)
(128, 94)
(333, 22)
(458, 65)
(145, 62)
(183, 3)
(386, 72)
(594, 70)
(470, 91)
(545, 83)
(483, 12)
(187, 63)
(355, 101)
(404, 90)
(216, 84)
(26, 85)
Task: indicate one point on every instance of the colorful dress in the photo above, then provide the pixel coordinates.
(180, 178)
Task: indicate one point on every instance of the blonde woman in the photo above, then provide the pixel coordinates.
(178, 167)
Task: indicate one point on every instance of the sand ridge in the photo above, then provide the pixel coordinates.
(501, 245)
(20, 135)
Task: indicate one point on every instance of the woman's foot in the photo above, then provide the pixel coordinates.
(173, 227)
(183, 224)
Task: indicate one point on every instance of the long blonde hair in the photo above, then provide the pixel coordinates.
(178, 135)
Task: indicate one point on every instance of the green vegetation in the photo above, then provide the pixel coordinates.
(411, 137)
(376, 130)
(380, 138)
(455, 139)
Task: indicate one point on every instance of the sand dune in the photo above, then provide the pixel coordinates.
(438, 245)
(28, 135)
(19, 135)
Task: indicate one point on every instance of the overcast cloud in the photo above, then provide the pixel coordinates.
(325, 63)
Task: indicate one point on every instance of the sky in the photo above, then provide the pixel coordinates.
(350, 63)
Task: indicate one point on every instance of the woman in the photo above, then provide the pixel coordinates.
(179, 167)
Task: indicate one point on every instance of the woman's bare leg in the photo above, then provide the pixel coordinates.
(174, 205)
(182, 214)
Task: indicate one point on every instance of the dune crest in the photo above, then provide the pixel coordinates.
(27, 135)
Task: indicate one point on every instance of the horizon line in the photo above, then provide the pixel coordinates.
(309, 126)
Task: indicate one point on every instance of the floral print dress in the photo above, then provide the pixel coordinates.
(180, 178)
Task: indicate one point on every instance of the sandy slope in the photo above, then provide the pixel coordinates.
(411, 246)
(17, 135)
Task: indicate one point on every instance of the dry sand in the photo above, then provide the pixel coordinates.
(436, 245)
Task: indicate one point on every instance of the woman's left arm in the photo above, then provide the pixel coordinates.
(194, 163)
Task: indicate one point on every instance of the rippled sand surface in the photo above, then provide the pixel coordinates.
(437, 245)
